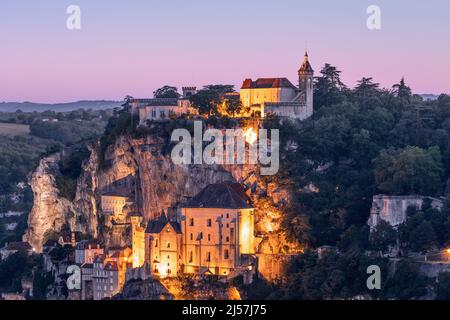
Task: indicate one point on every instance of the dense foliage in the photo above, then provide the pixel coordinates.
(50, 131)
(361, 142)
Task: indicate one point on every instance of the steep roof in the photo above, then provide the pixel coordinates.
(83, 245)
(156, 226)
(162, 102)
(226, 195)
(267, 83)
(306, 66)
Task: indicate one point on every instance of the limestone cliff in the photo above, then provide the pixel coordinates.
(50, 212)
(142, 170)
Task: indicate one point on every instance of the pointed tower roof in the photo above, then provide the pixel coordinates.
(306, 66)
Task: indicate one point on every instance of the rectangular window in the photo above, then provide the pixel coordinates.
(168, 245)
(232, 232)
(191, 222)
(226, 254)
(191, 256)
(192, 237)
(209, 223)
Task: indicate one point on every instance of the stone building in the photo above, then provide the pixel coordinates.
(138, 241)
(212, 234)
(105, 278)
(163, 246)
(279, 96)
(217, 229)
(113, 203)
(163, 108)
(86, 251)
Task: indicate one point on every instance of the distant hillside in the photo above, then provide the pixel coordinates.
(58, 107)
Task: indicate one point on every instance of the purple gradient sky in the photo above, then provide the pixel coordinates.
(133, 47)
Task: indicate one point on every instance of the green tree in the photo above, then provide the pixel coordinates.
(382, 237)
(206, 101)
(366, 88)
(443, 286)
(401, 90)
(409, 170)
(406, 283)
(422, 238)
(328, 88)
(166, 92)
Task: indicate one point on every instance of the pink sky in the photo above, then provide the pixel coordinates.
(136, 46)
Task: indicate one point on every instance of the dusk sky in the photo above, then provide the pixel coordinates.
(133, 47)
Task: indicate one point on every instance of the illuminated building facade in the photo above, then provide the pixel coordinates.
(163, 247)
(138, 241)
(279, 96)
(211, 234)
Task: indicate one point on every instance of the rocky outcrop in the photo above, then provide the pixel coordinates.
(50, 212)
(393, 209)
(142, 170)
(149, 289)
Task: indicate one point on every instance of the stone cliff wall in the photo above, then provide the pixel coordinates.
(50, 212)
(145, 172)
(392, 209)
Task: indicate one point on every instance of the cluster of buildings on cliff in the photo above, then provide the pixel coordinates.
(210, 234)
(259, 98)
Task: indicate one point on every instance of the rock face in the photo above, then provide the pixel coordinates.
(150, 289)
(50, 212)
(392, 209)
(141, 169)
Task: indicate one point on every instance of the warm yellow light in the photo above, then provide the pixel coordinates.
(250, 136)
(162, 271)
(448, 251)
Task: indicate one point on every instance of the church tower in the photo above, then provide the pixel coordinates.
(305, 84)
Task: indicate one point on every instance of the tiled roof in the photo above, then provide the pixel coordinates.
(85, 245)
(162, 102)
(156, 226)
(267, 83)
(221, 195)
(306, 66)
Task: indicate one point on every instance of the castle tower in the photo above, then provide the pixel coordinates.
(306, 84)
(138, 241)
(189, 91)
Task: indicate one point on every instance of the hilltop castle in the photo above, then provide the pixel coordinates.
(279, 96)
(262, 97)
